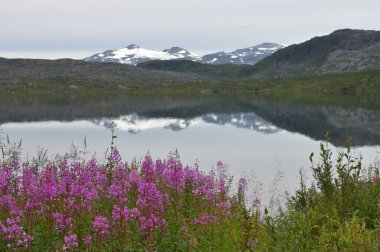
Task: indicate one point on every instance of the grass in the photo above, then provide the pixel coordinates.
(339, 212)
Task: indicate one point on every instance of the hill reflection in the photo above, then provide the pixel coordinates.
(137, 113)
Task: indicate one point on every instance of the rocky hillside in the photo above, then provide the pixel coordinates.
(341, 51)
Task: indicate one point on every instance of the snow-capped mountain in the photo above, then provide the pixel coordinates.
(134, 54)
(250, 55)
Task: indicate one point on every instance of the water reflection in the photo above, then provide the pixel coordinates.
(135, 123)
(138, 113)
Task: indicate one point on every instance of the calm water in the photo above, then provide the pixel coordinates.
(252, 136)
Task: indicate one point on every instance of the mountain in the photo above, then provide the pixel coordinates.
(250, 55)
(337, 56)
(341, 51)
(134, 54)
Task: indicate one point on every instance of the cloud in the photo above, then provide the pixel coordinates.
(196, 24)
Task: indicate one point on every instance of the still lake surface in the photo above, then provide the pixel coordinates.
(255, 137)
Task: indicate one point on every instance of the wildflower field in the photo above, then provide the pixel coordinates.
(163, 205)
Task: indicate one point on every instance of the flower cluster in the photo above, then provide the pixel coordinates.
(14, 235)
(62, 223)
(77, 205)
(205, 219)
(120, 213)
(70, 242)
(100, 226)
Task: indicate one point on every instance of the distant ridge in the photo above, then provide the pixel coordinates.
(341, 51)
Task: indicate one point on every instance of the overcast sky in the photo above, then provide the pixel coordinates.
(74, 28)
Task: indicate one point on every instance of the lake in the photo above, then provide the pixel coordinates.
(255, 136)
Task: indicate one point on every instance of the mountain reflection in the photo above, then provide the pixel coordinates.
(136, 113)
(135, 123)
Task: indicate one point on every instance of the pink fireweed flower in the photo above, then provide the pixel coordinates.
(6, 177)
(29, 187)
(210, 194)
(48, 189)
(222, 179)
(147, 169)
(174, 174)
(9, 202)
(134, 177)
(159, 168)
(13, 234)
(115, 157)
(120, 213)
(61, 223)
(70, 204)
(242, 184)
(70, 242)
(150, 206)
(134, 213)
(149, 199)
(65, 182)
(190, 175)
(252, 243)
(149, 223)
(95, 178)
(242, 187)
(13, 221)
(224, 208)
(88, 240)
(234, 199)
(100, 226)
(120, 184)
(256, 202)
(166, 199)
(205, 219)
(116, 191)
(205, 186)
